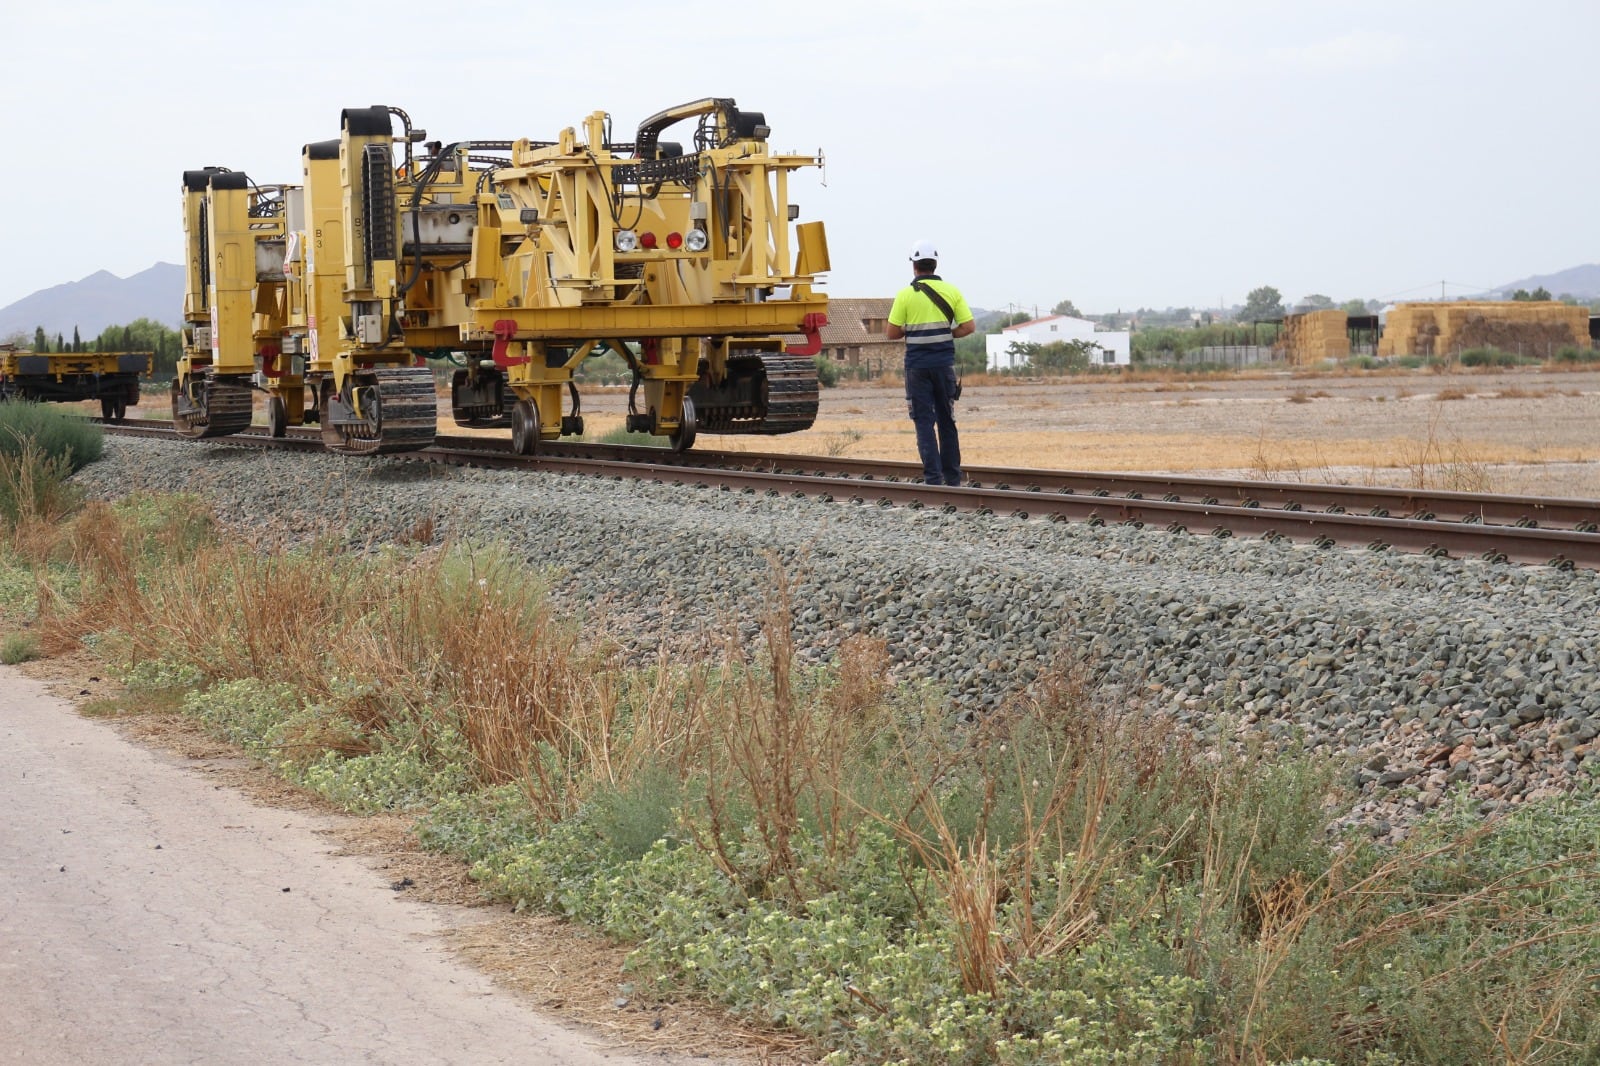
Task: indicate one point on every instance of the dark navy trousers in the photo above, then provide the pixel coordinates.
(931, 393)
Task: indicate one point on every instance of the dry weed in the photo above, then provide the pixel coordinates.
(838, 444)
(1434, 463)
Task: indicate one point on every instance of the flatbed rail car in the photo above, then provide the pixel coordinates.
(65, 377)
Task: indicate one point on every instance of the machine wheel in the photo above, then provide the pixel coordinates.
(524, 428)
(683, 440)
(277, 417)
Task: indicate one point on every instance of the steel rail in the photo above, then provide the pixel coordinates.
(1379, 502)
(1508, 543)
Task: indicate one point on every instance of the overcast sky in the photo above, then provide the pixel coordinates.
(1120, 154)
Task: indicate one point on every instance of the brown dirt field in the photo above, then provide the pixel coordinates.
(1517, 431)
(1525, 431)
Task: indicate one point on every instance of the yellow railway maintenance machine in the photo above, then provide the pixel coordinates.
(211, 393)
(516, 260)
(292, 290)
(110, 377)
(682, 262)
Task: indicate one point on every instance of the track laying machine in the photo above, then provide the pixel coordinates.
(515, 261)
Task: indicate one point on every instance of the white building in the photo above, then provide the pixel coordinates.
(1114, 346)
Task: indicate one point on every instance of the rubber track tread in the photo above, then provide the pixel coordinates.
(409, 415)
(229, 406)
(791, 398)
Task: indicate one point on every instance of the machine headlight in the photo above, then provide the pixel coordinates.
(627, 240)
(696, 240)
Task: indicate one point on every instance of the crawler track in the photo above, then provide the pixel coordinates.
(406, 421)
(1532, 530)
(226, 409)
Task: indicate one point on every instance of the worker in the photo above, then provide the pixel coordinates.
(930, 314)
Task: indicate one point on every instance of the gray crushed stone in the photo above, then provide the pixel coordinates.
(1423, 674)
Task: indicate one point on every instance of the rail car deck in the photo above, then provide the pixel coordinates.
(62, 377)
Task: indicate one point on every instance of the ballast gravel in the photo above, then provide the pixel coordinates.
(1423, 674)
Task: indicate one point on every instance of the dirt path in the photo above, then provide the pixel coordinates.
(148, 915)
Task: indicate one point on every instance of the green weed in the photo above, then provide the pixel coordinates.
(18, 648)
(55, 432)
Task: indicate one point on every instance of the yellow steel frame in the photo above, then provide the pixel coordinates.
(61, 365)
(560, 279)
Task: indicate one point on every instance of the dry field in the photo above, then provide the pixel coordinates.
(1517, 431)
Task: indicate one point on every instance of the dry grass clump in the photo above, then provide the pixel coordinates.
(780, 760)
(1437, 463)
(1302, 396)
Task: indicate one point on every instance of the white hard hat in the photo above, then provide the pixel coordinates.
(924, 250)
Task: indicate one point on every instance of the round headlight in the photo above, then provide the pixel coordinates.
(696, 240)
(627, 240)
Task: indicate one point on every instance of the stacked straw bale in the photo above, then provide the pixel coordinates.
(1315, 335)
(1535, 328)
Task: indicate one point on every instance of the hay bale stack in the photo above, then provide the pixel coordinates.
(1315, 335)
(1534, 328)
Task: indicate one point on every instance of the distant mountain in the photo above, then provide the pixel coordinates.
(1582, 282)
(102, 299)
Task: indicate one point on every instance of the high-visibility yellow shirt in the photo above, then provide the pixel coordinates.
(929, 340)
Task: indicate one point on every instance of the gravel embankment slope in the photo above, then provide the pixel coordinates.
(1424, 672)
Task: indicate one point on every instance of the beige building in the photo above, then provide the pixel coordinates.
(853, 338)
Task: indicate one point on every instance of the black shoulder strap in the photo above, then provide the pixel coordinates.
(938, 301)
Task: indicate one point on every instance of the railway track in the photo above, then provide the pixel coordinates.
(1520, 529)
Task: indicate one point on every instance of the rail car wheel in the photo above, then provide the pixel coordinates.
(112, 409)
(683, 439)
(524, 428)
(277, 417)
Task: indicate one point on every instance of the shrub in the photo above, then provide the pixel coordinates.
(1492, 357)
(827, 372)
(18, 648)
(55, 432)
(1573, 354)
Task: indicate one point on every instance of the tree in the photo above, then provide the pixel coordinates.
(1070, 356)
(1354, 307)
(1066, 307)
(77, 341)
(41, 343)
(1524, 296)
(1317, 302)
(1262, 303)
(143, 335)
